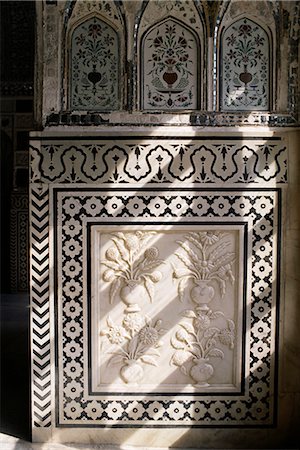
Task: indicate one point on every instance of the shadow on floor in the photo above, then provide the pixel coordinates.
(15, 366)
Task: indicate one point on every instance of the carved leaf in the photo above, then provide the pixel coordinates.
(181, 289)
(176, 344)
(148, 360)
(190, 252)
(183, 370)
(110, 322)
(189, 313)
(120, 235)
(152, 265)
(117, 359)
(224, 259)
(115, 285)
(180, 272)
(188, 327)
(211, 332)
(231, 325)
(216, 314)
(132, 345)
(111, 265)
(149, 288)
(216, 352)
(193, 238)
(122, 249)
(218, 251)
(185, 261)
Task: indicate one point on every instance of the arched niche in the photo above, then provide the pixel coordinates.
(245, 66)
(169, 67)
(94, 66)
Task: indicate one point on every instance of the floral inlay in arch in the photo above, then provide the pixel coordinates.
(94, 66)
(245, 67)
(170, 67)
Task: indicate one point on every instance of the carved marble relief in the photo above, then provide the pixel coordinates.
(95, 67)
(204, 323)
(145, 317)
(170, 72)
(245, 67)
(192, 341)
(207, 261)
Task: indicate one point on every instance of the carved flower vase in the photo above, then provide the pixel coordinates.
(201, 293)
(130, 294)
(201, 372)
(132, 373)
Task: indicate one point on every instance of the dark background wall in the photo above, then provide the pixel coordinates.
(16, 87)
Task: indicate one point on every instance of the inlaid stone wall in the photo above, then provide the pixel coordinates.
(159, 255)
(159, 286)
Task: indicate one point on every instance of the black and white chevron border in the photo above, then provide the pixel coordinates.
(40, 317)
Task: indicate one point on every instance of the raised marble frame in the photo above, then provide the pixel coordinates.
(166, 295)
(255, 405)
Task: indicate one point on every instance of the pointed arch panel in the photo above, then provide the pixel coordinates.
(94, 66)
(170, 67)
(245, 67)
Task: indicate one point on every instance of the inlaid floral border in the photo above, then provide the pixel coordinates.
(256, 405)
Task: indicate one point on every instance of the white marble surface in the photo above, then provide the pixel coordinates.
(12, 443)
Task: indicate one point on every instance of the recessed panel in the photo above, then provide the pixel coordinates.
(167, 304)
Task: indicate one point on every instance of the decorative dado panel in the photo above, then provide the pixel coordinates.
(211, 352)
(159, 160)
(155, 273)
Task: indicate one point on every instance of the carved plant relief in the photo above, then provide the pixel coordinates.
(199, 340)
(205, 260)
(131, 268)
(136, 342)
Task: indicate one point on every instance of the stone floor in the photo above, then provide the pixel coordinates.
(15, 366)
(11, 443)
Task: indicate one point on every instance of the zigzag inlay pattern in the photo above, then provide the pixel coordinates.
(40, 318)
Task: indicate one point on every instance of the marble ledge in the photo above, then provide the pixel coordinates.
(147, 119)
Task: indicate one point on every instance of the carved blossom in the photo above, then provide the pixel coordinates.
(137, 341)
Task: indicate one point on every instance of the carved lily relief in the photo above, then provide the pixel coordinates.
(199, 340)
(206, 259)
(136, 341)
(131, 268)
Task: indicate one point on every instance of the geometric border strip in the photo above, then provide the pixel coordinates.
(157, 160)
(40, 305)
(258, 407)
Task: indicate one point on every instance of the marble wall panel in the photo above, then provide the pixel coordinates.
(154, 300)
(98, 312)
